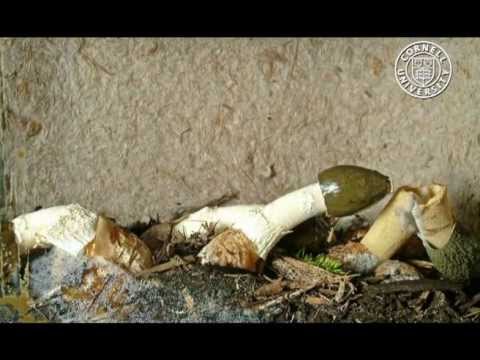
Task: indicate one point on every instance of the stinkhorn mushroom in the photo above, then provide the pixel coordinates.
(426, 213)
(453, 250)
(76, 230)
(410, 211)
(246, 234)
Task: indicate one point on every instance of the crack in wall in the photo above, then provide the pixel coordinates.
(7, 199)
(3, 126)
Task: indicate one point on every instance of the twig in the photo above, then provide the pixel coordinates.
(41, 313)
(100, 292)
(287, 297)
(174, 262)
(421, 263)
(340, 292)
(473, 301)
(237, 275)
(415, 286)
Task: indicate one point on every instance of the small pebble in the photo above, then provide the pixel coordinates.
(395, 270)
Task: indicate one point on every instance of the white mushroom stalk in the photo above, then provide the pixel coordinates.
(264, 225)
(68, 227)
(213, 219)
(393, 226)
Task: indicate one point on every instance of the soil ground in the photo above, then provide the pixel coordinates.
(81, 289)
(196, 293)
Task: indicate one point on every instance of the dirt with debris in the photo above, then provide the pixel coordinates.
(61, 288)
(195, 293)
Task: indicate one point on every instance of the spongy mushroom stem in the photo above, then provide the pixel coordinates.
(269, 224)
(247, 243)
(264, 225)
(213, 219)
(69, 227)
(393, 227)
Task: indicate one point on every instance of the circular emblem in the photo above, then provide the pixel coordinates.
(423, 69)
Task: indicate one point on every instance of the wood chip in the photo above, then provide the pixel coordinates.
(422, 299)
(340, 292)
(273, 288)
(302, 272)
(317, 300)
(424, 296)
(188, 299)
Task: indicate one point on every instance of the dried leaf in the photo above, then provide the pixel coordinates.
(231, 248)
(120, 247)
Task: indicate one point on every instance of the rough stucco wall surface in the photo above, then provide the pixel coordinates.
(140, 127)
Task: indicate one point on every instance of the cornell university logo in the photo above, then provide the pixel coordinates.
(423, 69)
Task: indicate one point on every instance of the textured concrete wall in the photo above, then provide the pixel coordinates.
(140, 127)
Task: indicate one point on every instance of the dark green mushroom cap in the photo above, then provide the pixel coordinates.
(348, 189)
